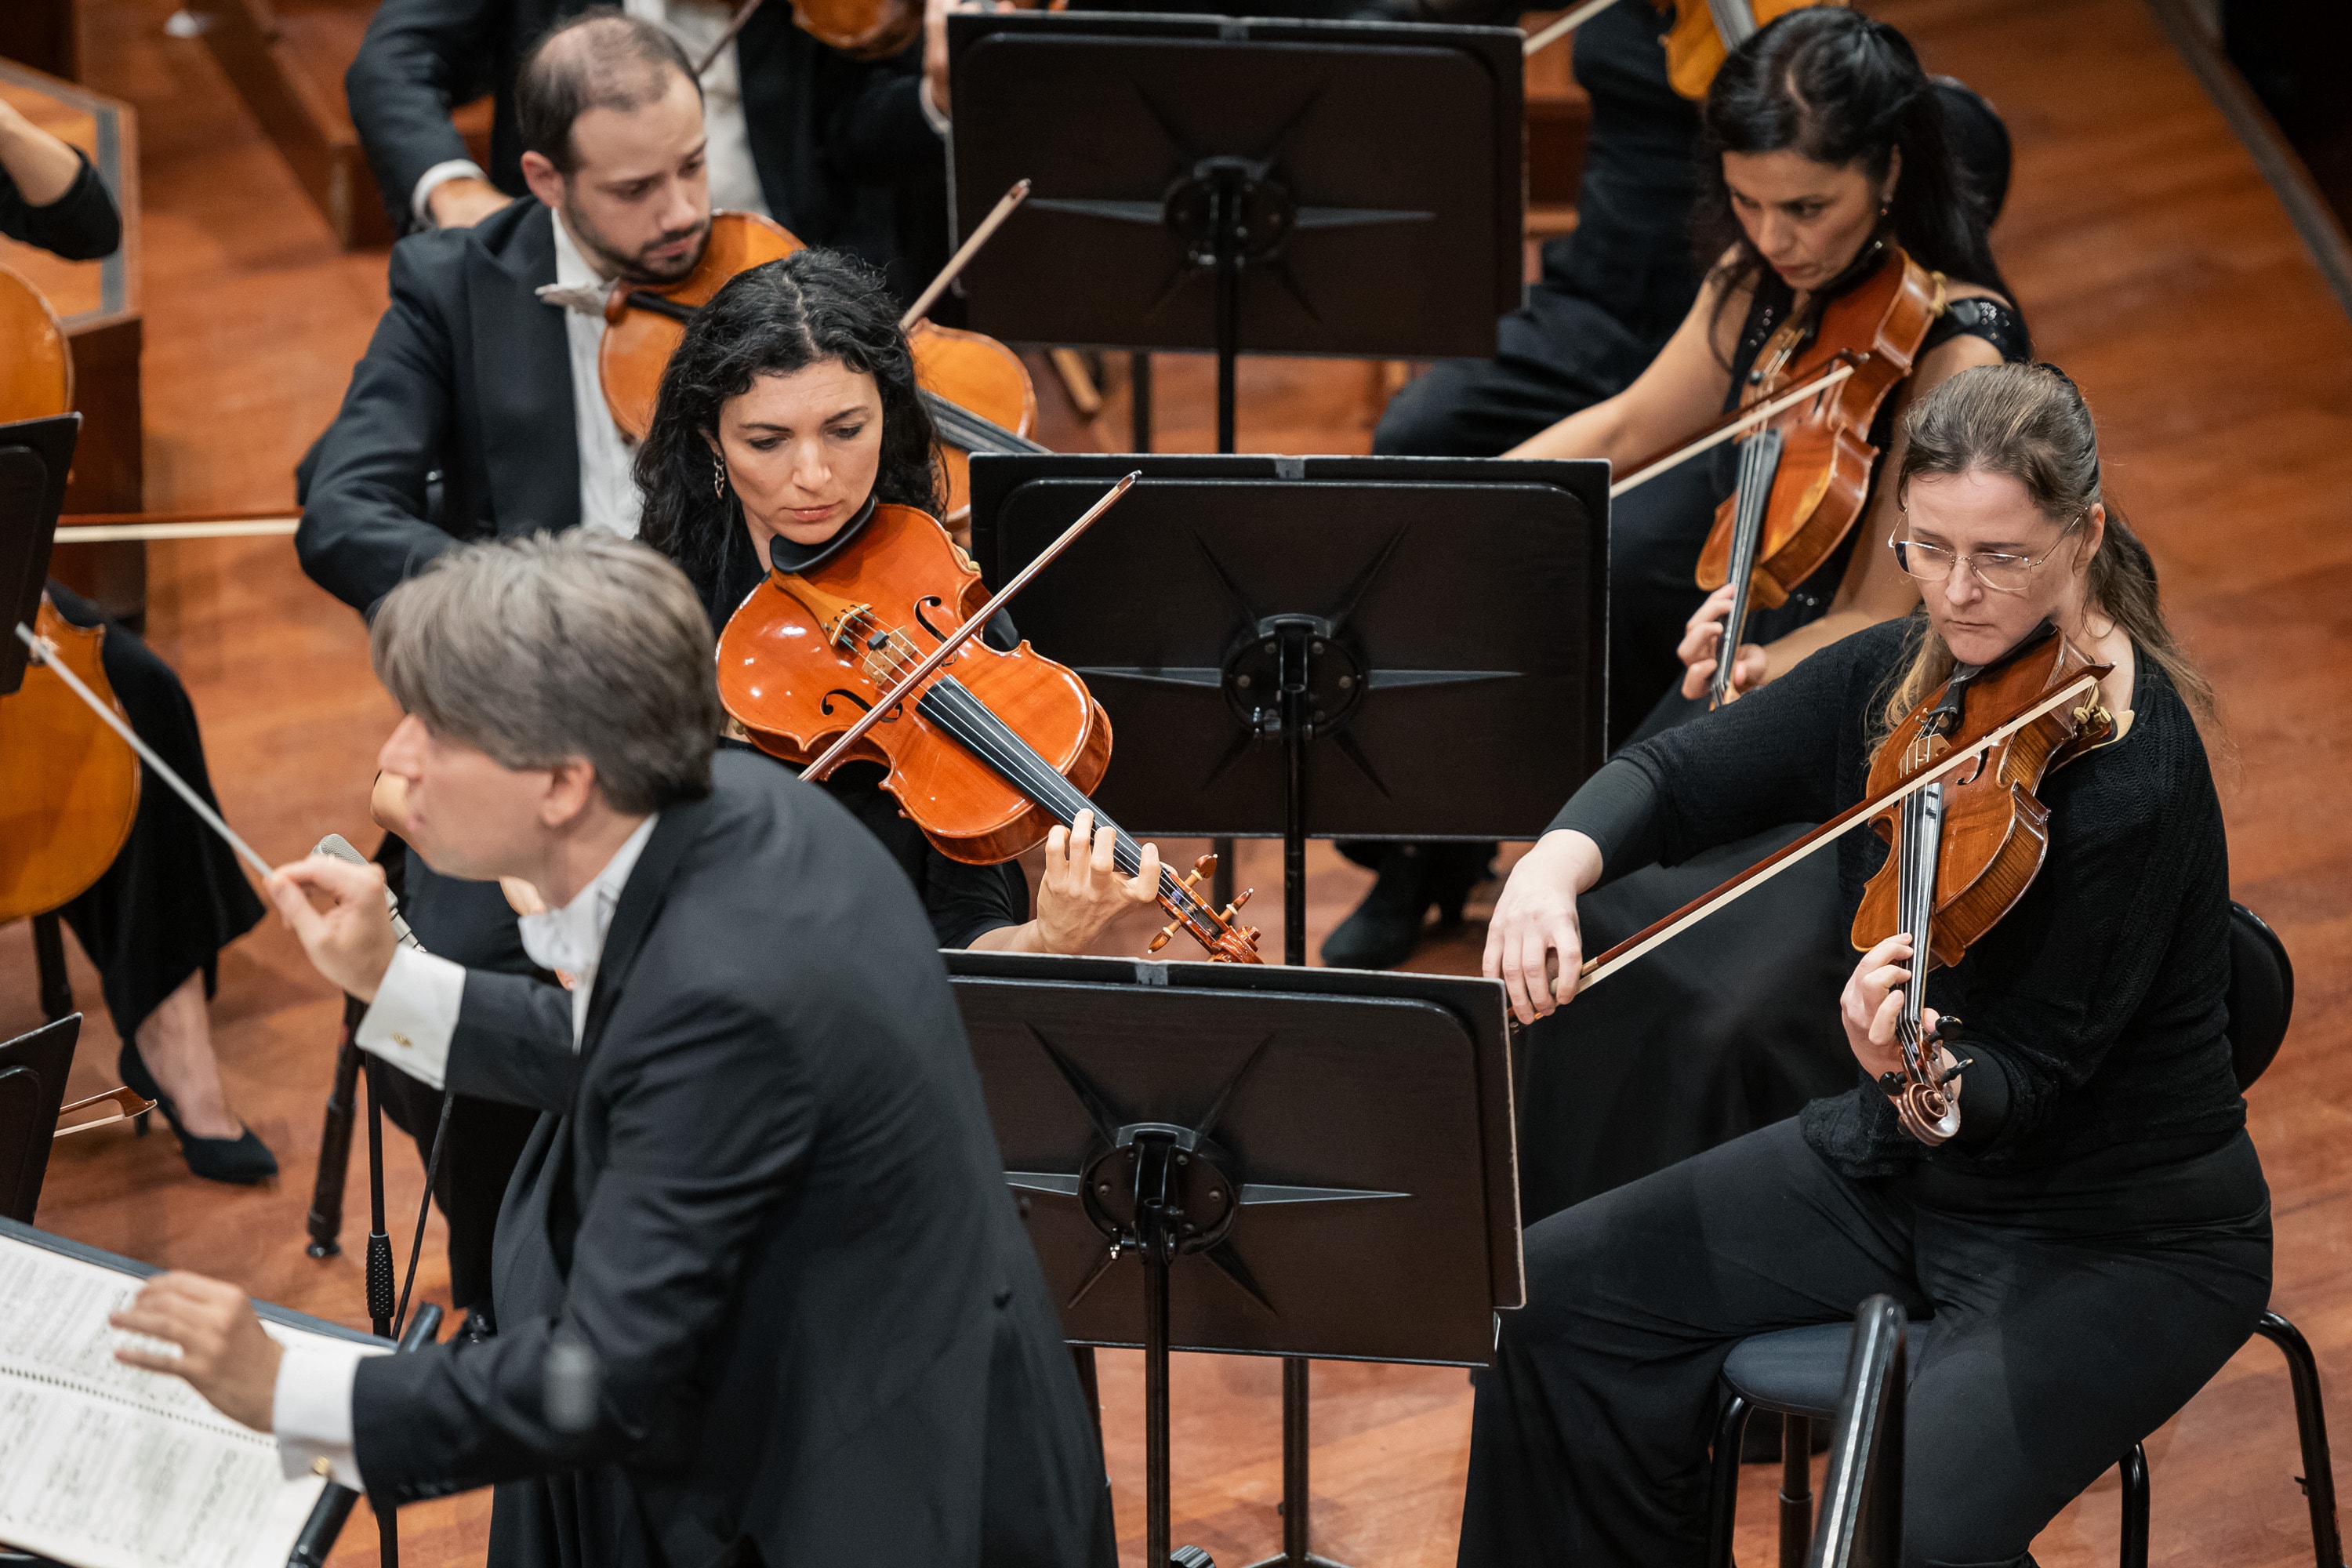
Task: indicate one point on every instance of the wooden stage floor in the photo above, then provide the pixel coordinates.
(2154, 265)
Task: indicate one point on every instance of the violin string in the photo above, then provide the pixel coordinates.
(998, 746)
(1760, 460)
(974, 432)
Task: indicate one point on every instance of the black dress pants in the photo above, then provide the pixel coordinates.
(2070, 1314)
(175, 895)
(468, 924)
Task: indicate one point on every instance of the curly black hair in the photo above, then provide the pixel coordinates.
(1839, 89)
(812, 307)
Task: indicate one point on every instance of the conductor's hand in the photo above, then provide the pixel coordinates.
(1533, 944)
(337, 911)
(224, 1353)
(1703, 636)
(1082, 892)
(1873, 1002)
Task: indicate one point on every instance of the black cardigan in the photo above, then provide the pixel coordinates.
(2096, 1012)
(81, 225)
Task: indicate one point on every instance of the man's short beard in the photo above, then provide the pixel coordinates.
(628, 268)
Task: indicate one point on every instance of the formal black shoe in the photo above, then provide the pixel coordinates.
(241, 1160)
(1413, 878)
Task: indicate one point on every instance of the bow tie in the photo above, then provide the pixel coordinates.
(588, 299)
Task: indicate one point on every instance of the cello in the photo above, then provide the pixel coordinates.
(68, 786)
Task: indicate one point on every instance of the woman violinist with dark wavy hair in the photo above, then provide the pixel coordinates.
(2095, 1240)
(1822, 142)
(787, 414)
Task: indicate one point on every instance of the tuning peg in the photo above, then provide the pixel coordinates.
(1164, 937)
(1205, 865)
(1243, 898)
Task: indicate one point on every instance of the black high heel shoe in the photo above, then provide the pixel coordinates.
(243, 1159)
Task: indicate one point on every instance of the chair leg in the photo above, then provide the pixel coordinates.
(2318, 1475)
(49, 963)
(1723, 1500)
(1796, 1490)
(2132, 1468)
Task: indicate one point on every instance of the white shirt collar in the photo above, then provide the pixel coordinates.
(571, 938)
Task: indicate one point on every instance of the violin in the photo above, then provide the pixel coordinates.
(645, 323)
(1804, 472)
(862, 29)
(68, 786)
(994, 749)
(1702, 36)
(978, 392)
(1964, 849)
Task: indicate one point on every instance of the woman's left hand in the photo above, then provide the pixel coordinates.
(1082, 892)
(1873, 1002)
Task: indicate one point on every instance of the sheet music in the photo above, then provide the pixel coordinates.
(104, 1466)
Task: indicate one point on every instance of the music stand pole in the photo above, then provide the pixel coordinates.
(379, 1281)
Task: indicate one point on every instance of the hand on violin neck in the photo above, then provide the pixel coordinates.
(337, 911)
(1535, 944)
(1872, 1006)
(1702, 639)
(1080, 892)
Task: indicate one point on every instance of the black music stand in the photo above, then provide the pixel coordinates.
(33, 1068)
(36, 456)
(1306, 1163)
(1209, 182)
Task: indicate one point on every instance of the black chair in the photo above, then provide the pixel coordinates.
(1796, 1374)
(32, 1070)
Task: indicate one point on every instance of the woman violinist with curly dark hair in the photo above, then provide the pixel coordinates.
(787, 414)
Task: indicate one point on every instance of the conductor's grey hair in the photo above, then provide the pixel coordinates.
(539, 650)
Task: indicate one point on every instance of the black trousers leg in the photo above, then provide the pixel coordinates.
(1557, 354)
(469, 923)
(175, 895)
(2050, 1352)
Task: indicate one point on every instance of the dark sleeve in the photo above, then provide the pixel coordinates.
(81, 225)
(1617, 808)
(967, 902)
(414, 67)
(1768, 759)
(365, 525)
(878, 133)
(514, 1042)
(653, 1270)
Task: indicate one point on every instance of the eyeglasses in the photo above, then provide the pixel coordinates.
(2001, 572)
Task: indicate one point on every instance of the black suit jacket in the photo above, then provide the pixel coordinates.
(845, 157)
(767, 1196)
(469, 378)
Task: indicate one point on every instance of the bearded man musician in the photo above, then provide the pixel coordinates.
(843, 151)
(763, 1216)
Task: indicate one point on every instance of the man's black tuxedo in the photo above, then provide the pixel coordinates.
(468, 378)
(845, 158)
(767, 1196)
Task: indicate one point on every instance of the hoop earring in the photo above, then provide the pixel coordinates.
(718, 476)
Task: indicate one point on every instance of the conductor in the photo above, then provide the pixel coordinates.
(761, 1292)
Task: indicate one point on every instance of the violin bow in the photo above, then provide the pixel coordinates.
(113, 527)
(964, 253)
(1565, 26)
(734, 26)
(966, 632)
(1746, 419)
(44, 653)
(1764, 870)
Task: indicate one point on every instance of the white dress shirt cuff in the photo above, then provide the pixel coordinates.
(932, 111)
(311, 1411)
(434, 179)
(415, 1014)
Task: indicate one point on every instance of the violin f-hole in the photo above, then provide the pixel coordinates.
(825, 704)
(927, 602)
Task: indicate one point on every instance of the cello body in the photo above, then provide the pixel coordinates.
(68, 785)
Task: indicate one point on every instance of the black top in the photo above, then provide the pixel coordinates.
(964, 902)
(2095, 1011)
(1990, 320)
(81, 225)
(1630, 251)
